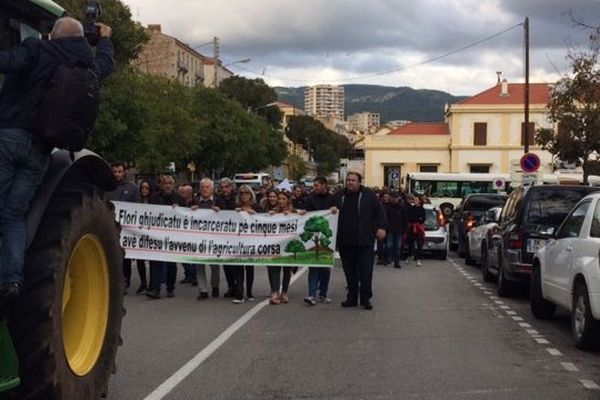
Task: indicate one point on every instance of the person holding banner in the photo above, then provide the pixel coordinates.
(269, 202)
(226, 200)
(207, 200)
(362, 219)
(318, 277)
(284, 206)
(166, 196)
(145, 193)
(246, 202)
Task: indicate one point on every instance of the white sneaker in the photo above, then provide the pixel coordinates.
(418, 263)
(324, 299)
(310, 301)
(238, 301)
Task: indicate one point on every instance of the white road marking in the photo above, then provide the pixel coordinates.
(532, 332)
(499, 302)
(488, 293)
(569, 366)
(510, 312)
(589, 384)
(524, 325)
(493, 298)
(517, 318)
(554, 352)
(542, 341)
(167, 386)
(505, 307)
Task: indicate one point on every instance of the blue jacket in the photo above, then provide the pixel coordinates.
(29, 66)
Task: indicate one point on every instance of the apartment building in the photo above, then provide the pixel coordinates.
(324, 102)
(364, 122)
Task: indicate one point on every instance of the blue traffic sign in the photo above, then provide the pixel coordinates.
(530, 162)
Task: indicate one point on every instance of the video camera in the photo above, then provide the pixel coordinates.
(92, 12)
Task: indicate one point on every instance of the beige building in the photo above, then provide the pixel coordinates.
(364, 122)
(483, 134)
(167, 56)
(324, 102)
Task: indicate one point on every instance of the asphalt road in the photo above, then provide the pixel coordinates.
(436, 332)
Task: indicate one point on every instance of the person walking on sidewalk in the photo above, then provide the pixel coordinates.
(318, 277)
(362, 219)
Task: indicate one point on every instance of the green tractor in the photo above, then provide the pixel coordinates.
(60, 341)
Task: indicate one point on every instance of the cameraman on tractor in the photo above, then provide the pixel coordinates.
(31, 72)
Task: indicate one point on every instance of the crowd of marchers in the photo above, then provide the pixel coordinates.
(370, 222)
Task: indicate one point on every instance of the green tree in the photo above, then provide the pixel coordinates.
(297, 167)
(295, 246)
(575, 109)
(254, 95)
(317, 229)
(234, 140)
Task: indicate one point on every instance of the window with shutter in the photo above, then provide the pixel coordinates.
(480, 134)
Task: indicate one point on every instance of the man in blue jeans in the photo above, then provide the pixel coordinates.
(23, 157)
(318, 277)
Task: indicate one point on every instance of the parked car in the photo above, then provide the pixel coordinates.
(465, 217)
(436, 235)
(528, 213)
(477, 238)
(566, 273)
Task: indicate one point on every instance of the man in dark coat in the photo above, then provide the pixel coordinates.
(362, 219)
(23, 157)
(166, 197)
(397, 225)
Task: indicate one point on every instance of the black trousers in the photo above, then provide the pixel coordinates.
(357, 262)
(157, 269)
(141, 268)
(275, 276)
(242, 272)
(230, 276)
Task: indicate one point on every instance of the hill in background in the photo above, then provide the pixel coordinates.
(392, 103)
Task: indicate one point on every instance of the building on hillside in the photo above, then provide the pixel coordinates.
(414, 147)
(167, 56)
(324, 101)
(288, 111)
(364, 122)
(483, 134)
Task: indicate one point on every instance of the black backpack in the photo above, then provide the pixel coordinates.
(70, 102)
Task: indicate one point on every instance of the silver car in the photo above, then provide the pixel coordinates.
(436, 234)
(477, 238)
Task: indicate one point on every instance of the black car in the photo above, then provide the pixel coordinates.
(529, 214)
(466, 215)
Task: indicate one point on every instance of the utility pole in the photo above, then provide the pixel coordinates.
(215, 62)
(526, 139)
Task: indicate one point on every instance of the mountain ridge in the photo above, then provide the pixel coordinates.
(392, 103)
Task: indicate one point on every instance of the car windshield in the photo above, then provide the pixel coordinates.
(484, 203)
(549, 208)
(431, 222)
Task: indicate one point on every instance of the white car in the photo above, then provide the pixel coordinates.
(477, 237)
(566, 272)
(436, 235)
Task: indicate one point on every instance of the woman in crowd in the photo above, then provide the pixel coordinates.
(145, 193)
(269, 201)
(245, 201)
(415, 215)
(284, 206)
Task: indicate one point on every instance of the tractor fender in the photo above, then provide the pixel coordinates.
(85, 166)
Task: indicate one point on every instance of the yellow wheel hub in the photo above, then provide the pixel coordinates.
(85, 305)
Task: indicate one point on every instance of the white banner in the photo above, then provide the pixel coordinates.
(164, 233)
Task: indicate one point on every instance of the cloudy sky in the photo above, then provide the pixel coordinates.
(387, 42)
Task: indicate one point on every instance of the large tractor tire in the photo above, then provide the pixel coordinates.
(68, 325)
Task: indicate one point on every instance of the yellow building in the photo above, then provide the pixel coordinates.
(487, 130)
(483, 134)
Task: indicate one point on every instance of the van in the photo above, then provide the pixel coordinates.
(253, 179)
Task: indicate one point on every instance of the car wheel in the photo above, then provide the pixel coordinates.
(487, 275)
(468, 259)
(586, 330)
(504, 287)
(443, 255)
(540, 307)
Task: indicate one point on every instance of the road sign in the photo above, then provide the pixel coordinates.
(279, 174)
(499, 184)
(530, 162)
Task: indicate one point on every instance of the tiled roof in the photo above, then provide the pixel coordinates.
(539, 93)
(282, 104)
(422, 128)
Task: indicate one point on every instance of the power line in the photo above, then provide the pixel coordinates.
(390, 71)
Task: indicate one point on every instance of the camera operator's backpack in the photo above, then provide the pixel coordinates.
(70, 103)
